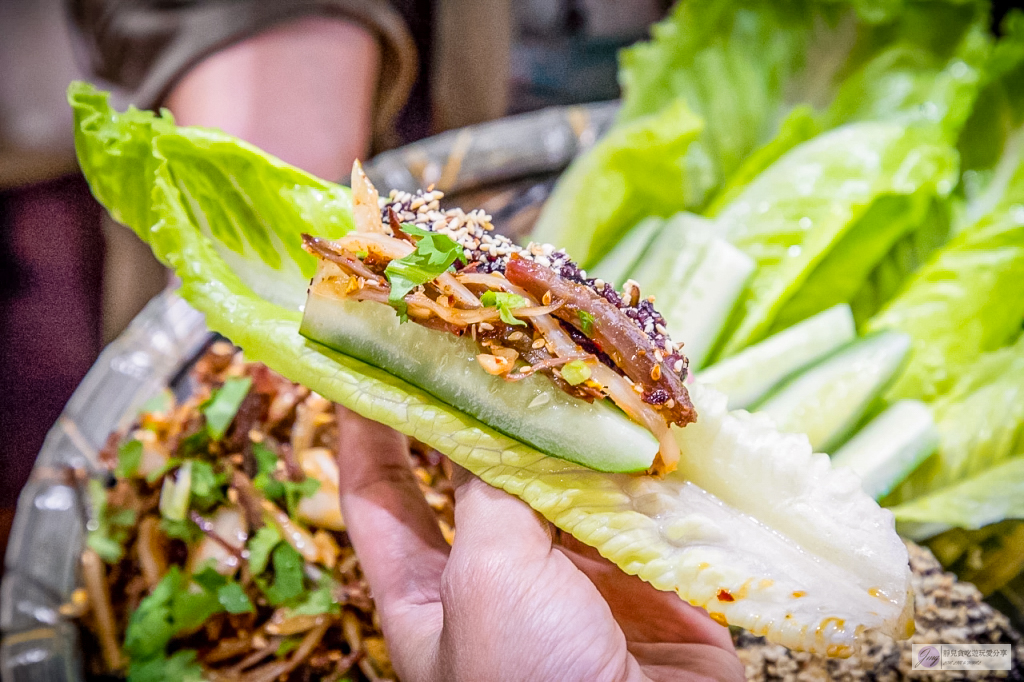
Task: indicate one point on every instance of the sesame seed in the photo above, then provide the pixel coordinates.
(538, 344)
(678, 366)
(515, 336)
(486, 326)
(546, 300)
(656, 372)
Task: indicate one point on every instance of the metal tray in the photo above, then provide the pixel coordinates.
(505, 166)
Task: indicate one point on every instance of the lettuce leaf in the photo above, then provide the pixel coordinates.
(988, 497)
(753, 511)
(792, 215)
(980, 423)
(968, 299)
(634, 171)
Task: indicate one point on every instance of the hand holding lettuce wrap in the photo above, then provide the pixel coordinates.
(752, 526)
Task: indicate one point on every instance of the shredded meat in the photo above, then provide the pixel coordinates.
(612, 332)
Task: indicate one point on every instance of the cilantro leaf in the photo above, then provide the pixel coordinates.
(221, 408)
(185, 530)
(260, 546)
(293, 492)
(318, 601)
(129, 457)
(274, 489)
(181, 667)
(190, 608)
(108, 528)
(504, 302)
(233, 598)
(433, 255)
(150, 627)
(207, 485)
(288, 575)
(586, 323)
(209, 579)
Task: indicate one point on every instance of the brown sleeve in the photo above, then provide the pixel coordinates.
(145, 46)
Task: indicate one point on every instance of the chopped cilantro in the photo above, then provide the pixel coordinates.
(185, 530)
(181, 667)
(266, 481)
(222, 406)
(288, 575)
(150, 627)
(433, 255)
(191, 607)
(575, 372)
(234, 599)
(207, 485)
(196, 444)
(505, 303)
(129, 457)
(586, 323)
(317, 601)
(260, 546)
(108, 528)
(229, 594)
(178, 606)
(293, 492)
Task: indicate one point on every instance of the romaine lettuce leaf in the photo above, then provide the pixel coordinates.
(635, 171)
(967, 300)
(792, 215)
(846, 268)
(980, 423)
(987, 497)
(753, 512)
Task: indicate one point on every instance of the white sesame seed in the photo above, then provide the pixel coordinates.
(678, 367)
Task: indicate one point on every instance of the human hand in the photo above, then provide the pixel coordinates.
(505, 602)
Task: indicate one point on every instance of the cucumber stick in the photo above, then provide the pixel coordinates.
(617, 265)
(696, 313)
(669, 260)
(891, 446)
(827, 400)
(750, 374)
(535, 411)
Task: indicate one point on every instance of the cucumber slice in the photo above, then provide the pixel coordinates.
(697, 313)
(827, 400)
(620, 261)
(670, 258)
(535, 411)
(750, 374)
(891, 446)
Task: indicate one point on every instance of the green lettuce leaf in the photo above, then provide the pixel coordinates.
(967, 300)
(985, 498)
(742, 66)
(792, 215)
(636, 170)
(856, 256)
(752, 510)
(980, 423)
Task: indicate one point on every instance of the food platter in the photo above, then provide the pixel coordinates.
(506, 166)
